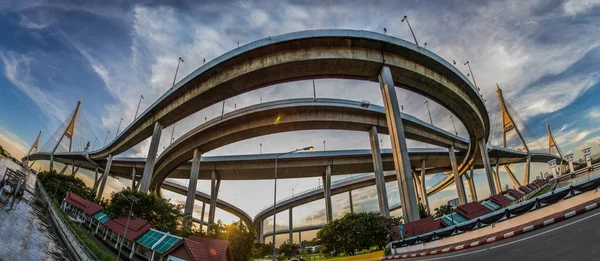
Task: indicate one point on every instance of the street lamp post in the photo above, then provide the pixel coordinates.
(118, 128)
(131, 200)
(138, 107)
(105, 139)
(311, 148)
(173, 85)
(452, 118)
(428, 111)
(472, 76)
(411, 30)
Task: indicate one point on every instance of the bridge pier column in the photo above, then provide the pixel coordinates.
(291, 226)
(152, 151)
(215, 183)
(261, 237)
(51, 168)
(191, 191)
(351, 204)
(300, 238)
(571, 168)
(424, 199)
(527, 176)
(104, 177)
(384, 207)
(408, 199)
(471, 180)
(460, 187)
(133, 178)
(327, 192)
(487, 165)
(497, 177)
(512, 177)
(202, 216)
(95, 187)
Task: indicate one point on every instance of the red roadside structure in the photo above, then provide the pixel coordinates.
(196, 248)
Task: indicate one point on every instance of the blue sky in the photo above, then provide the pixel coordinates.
(544, 55)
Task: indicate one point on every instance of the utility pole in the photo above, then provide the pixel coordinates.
(411, 30)
(455, 132)
(472, 76)
(118, 128)
(430, 119)
(176, 70)
(138, 107)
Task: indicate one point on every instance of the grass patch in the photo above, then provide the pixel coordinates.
(543, 191)
(100, 254)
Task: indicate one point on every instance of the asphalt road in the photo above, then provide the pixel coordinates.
(577, 238)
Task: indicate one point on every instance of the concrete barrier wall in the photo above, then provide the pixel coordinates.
(506, 225)
(77, 249)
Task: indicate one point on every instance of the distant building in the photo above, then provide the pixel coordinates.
(453, 202)
(199, 248)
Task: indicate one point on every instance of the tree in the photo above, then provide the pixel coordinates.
(160, 212)
(61, 184)
(355, 232)
(422, 212)
(288, 249)
(240, 237)
(443, 210)
(261, 250)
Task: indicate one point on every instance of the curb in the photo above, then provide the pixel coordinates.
(500, 237)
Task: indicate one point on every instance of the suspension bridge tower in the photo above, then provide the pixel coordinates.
(68, 132)
(34, 148)
(508, 124)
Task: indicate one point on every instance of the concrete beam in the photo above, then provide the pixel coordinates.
(104, 177)
(512, 177)
(384, 207)
(460, 187)
(406, 188)
(152, 152)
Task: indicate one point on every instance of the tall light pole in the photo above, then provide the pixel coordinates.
(105, 139)
(428, 111)
(131, 199)
(452, 118)
(472, 76)
(411, 30)
(174, 78)
(118, 128)
(311, 148)
(138, 107)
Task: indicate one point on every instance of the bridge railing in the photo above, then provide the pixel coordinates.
(320, 187)
(185, 185)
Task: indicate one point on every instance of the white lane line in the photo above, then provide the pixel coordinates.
(546, 232)
(509, 243)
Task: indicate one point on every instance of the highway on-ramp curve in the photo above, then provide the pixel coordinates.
(574, 239)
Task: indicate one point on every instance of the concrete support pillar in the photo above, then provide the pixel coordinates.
(512, 177)
(527, 177)
(202, 216)
(215, 183)
(51, 168)
(133, 178)
(571, 168)
(384, 207)
(460, 187)
(104, 177)
(291, 225)
(327, 191)
(95, 187)
(261, 237)
(497, 177)
(423, 188)
(408, 199)
(351, 204)
(132, 250)
(300, 239)
(152, 151)
(471, 180)
(191, 192)
(487, 166)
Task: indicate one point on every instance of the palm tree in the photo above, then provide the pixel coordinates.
(443, 210)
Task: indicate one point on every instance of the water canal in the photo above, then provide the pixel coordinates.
(26, 231)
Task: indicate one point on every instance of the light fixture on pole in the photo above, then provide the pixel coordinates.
(131, 199)
(118, 128)
(311, 148)
(105, 139)
(428, 111)
(174, 78)
(411, 30)
(472, 76)
(452, 118)
(138, 107)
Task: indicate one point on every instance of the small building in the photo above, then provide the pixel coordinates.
(154, 243)
(196, 248)
(82, 209)
(115, 230)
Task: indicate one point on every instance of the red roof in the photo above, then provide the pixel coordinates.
(515, 193)
(136, 228)
(500, 200)
(421, 226)
(205, 249)
(531, 187)
(472, 210)
(525, 189)
(77, 201)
